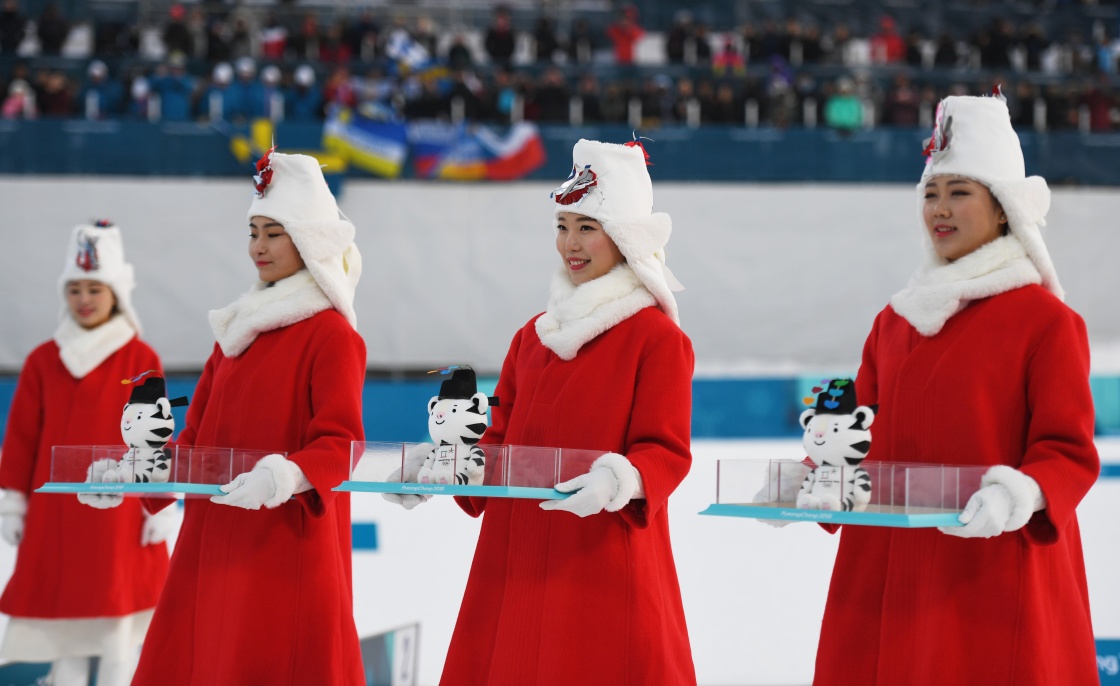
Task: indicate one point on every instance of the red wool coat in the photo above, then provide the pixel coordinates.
(265, 596)
(555, 599)
(75, 561)
(1005, 382)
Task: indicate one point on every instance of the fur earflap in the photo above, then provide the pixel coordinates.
(285, 474)
(320, 239)
(639, 237)
(265, 308)
(1026, 202)
(1025, 494)
(578, 314)
(628, 478)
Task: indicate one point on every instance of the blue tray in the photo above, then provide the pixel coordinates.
(133, 488)
(793, 514)
(452, 489)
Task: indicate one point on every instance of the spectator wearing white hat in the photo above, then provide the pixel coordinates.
(304, 101)
(259, 589)
(584, 590)
(977, 361)
(85, 581)
(102, 97)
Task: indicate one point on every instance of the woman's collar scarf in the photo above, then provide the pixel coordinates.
(267, 307)
(82, 350)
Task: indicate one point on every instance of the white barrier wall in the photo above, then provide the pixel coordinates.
(779, 277)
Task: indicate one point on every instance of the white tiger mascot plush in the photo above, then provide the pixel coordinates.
(146, 426)
(456, 418)
(837, 438)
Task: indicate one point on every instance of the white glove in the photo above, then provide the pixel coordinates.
(783, 485)
(13, 507)
(271, 482)
(610, 483)
(1005, 502)
(102, 472)
(414, 458)
(158, 527)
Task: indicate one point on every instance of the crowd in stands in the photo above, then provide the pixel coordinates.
(206, 64)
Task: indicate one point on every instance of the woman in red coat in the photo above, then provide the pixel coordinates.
(264, 596)
(100, 571)
(976, 362)
(554, 598)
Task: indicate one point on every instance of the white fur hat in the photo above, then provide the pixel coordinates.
(610, 183)
(96, 252)
(291, 190)
(972, 137)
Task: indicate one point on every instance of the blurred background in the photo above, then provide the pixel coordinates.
(785, 141)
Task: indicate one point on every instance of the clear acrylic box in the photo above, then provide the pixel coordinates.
(190, 470)
(510, 471)
(908, 495)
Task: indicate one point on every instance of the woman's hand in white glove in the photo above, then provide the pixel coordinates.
(158, 527)
(13, 507)
(271, 482)
(1005, 502)
(102, 472)
(609, 485)
(413, 460)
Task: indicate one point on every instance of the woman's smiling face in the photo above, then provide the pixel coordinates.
(960, 215)
(586, 249)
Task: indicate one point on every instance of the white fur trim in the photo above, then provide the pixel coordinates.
(265, 308)
(1024, 491)
(337, 277)
(941, 289)
(82, 350)
(625, 474)
(285, 474)
(578, 314)
(1026, 202)
(13, 503)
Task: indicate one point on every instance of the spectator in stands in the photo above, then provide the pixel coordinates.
(995, 44)
(176, 89)
(581, 42)
(684, 99)
(844, 111)
(614, 103)
(1101, 103)
(504, 94)
(701, 45)
(303, 101)
(624, 33)
(273, 38)
(679, 33)
(197, 25)
(240, 40)
(140, 98)
(902, 103)
(363, 36)
(752, 43)
(339, 90)
(589, 90)
(333, 48)
(546, 44)
(13, 27)
(887, 46)
(246, 91)
(657, 101)
(269, 104)
(1022, 105)
(219, 36)
(176, 36)
(425, 34)
(458, 54)
(500, 39)
(836, 45)
(915, 41)
(781, 98)
(812, 50)
(55, 94)
(946, 54)
(102, 97)
(304, 43)
(729, 61)
(727, 107)
(552, 97)
(1034, 44)
(20, 102)
(52, 29)
(220, 100)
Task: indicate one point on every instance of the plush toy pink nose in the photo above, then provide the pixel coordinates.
(819, 434)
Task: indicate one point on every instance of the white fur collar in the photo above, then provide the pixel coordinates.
(82, 350)
(940, 290)
(577, 314)
(265, 308)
